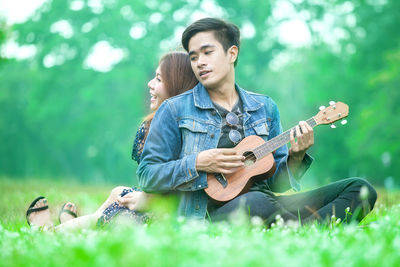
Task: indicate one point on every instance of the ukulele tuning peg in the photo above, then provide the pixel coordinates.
(332, 103)
(333, 126)
(322, 107)
(343, 122)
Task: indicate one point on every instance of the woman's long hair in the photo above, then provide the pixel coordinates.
(176, 74)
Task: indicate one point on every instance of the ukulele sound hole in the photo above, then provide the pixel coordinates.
(250, 158)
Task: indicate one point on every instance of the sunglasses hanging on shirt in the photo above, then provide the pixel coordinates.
(232, 120)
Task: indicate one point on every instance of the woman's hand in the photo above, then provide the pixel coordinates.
(134, 200)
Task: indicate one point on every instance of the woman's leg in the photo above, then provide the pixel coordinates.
(68, 212)
(41, 217)
(91, 219)
(333, 199)
(111, 198)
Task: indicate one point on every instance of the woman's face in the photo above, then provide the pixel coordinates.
(158, 92)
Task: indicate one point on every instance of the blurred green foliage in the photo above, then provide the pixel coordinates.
(61, 118)
(175, 242)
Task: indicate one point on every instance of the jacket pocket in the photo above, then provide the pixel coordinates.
(194, 134)
(261, 128)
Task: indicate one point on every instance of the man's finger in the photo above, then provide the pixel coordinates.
(311, 132)
(309, 128)
(228, 151)
(301, 138)
(306, 135)
(292, 140)
(227, 171)
(235, 158)
(231, 165)
(298, 133)
(303, 127)
(309, 141)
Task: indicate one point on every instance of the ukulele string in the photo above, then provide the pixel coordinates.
(263, 148)
(283, 137)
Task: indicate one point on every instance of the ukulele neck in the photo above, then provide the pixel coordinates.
(278, 141)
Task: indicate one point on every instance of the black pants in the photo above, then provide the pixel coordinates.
(318, 204)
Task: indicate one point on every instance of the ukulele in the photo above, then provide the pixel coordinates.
(259, 163)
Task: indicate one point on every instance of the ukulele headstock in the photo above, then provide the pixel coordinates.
(328, 115)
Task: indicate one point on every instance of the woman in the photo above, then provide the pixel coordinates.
(173, 76)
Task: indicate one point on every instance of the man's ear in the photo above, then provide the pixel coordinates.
(233, 53)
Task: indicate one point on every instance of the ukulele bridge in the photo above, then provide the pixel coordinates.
(221, 179)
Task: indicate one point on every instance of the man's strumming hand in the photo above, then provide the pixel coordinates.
(219, 160)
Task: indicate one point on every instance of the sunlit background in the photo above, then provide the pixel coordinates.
(73, 80)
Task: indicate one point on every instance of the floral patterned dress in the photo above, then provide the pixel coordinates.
(115, 209)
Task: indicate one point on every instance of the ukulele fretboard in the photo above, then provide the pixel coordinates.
(278, 141)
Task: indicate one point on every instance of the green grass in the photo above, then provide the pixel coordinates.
(166, 242)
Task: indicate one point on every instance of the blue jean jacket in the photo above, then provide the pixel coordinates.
(187, 124)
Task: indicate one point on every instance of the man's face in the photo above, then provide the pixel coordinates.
(210, 63)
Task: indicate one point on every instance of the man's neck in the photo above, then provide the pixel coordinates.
(224, 94)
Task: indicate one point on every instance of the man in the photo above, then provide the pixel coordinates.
(193, 134)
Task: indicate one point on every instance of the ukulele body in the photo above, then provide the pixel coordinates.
(239, 182)
(224, 188)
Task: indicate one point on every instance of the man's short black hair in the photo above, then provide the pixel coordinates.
(226, 33)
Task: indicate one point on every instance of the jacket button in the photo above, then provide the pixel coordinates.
(197, 207)
(213, 112)
(212, 135)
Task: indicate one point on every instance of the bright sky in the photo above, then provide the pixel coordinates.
(18, 10)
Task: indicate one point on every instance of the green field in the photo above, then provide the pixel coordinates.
(166, 242)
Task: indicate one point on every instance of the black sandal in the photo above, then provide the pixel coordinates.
(32, 209)
(67, 211)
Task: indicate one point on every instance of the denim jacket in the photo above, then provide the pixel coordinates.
(187, 124)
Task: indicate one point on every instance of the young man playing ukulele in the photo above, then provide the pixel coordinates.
(194, 134)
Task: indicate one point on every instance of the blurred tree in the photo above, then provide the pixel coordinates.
(361, 70)
(63, 115)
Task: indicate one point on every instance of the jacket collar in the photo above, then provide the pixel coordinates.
(202, 98)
